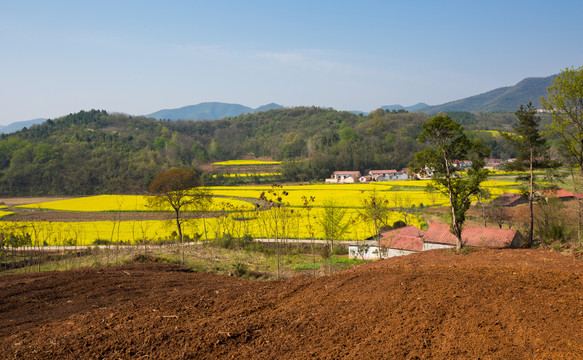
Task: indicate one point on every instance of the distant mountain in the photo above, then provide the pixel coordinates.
(19, 125)
(504, 99)
(411, 108)
(209, 111)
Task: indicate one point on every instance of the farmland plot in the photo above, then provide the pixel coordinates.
(233, 212)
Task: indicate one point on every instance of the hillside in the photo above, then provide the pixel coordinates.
(504, 99)
(93, 152)
(209, 111)
(489, 304)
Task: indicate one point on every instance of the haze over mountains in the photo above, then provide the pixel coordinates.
(209, 111)
(504, 99)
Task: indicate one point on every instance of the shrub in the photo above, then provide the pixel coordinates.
(240, 268)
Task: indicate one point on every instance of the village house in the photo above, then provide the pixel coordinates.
(438, 236)
(561, 194)
(395, 242)
(409, 240)
(388, 175)
(510, 199)
(344, 177)
(493, 164)
(462, 164)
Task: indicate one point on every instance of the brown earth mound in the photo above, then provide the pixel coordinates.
(489, 304)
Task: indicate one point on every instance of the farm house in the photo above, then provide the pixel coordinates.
(409, 240)
(344, 177)
(438, 236)
(396, 242)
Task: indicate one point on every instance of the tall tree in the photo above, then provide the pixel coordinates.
(565, 104)
(448, 143)
(181, 190)
(333, 222)
(532, 153)
(375, 208)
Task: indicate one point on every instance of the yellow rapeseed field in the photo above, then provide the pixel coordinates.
(245, 162)
(242, 218)
(110, 203)
(247, 175)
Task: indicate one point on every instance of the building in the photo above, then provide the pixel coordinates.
(396, 242)
(510, 199)
(388, 175)
(410, 240)
(438, 236)
(344, 177)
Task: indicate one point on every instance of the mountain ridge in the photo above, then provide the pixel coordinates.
(502, 99)
(208, 111)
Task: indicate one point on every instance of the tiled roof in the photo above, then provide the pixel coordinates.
(405, 238)
(561, 193)
(508, 199)
(471, 236)
(383, 171)
(351, 173)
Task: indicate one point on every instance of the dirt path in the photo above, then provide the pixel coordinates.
(490, 304)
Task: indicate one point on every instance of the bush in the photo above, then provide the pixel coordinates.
(340, 250)
(240, 268)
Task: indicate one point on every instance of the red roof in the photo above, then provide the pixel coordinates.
(561, 193)
(349, 173)
(383, 171)
(405, 238)
(471, 236)
(509, 199)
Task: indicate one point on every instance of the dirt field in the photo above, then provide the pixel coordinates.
(489, 304)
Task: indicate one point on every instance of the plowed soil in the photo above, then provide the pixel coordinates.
(488, 304)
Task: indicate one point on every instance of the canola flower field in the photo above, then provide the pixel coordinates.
(236, 206)
(245, 162)
(247, 175)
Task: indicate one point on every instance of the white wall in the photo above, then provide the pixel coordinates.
(433, 246)
(373, 253)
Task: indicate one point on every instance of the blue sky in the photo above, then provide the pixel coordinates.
(138, 57)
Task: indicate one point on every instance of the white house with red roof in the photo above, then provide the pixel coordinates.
(409, 240)
(344, 177)
(396, 242)
(438, 236)
(388, 175)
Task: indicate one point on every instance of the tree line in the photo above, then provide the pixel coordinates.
(94, 152)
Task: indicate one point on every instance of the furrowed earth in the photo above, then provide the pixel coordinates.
(487, 304)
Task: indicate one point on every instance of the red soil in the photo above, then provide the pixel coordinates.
(489, 304)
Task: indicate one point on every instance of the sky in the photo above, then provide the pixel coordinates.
(137, 57)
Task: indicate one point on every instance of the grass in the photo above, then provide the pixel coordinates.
(209, 257)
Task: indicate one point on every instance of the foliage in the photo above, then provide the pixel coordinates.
(180, 189)
(93, 152)
(449, 143)
(532, 153)
(375, 208)
(565, 103)
(334, 222)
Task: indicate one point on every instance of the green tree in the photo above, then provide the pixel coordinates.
(276, 216)
(447, 143)
(333, 222)
(375, 208)
(181, 190)
(565, 104)
(532, 153)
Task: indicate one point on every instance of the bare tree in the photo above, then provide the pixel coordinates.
(181, 190)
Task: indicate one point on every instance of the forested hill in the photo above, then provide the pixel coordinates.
(507, 98)
(93, 152)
